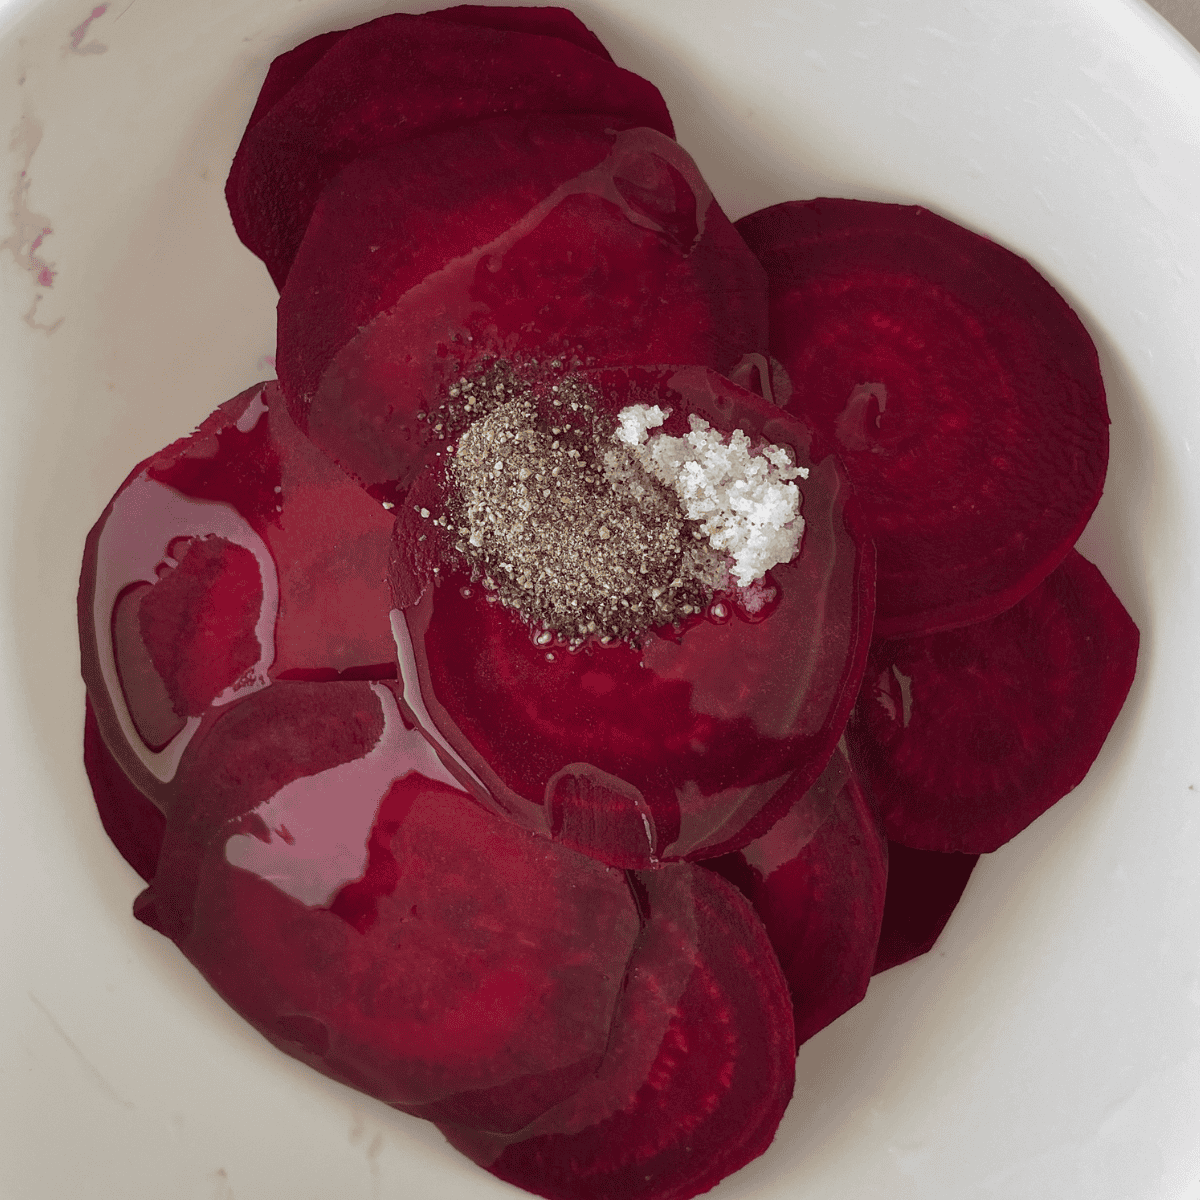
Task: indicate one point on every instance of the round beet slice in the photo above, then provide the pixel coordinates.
(817, 880)
(923, 888)
(234, 557)
(687, 746)
(699, 1071)
(289, 68)
(393, 79)
(962, 393)
(390, 220)
(518, 239)
(964, 737)
(334, 885)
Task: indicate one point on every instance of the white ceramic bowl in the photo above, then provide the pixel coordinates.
(1049, 1048)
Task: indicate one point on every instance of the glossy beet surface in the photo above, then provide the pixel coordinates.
(393, 79)
(524, 238)
(965, 737)
(236, 556)
(349, 900)
(960, 390)
(698, 1073)
(687, 746)
(817, 880)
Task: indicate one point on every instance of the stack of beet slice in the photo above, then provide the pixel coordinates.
(579, 907)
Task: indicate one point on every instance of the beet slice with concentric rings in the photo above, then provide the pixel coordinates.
(349, 900)
(961, 391)
(817, 880)
(923, 889)
(523, 238)
(393, 79)
(699, 1071)
(686, 745)
(391, 220)
(964, 737)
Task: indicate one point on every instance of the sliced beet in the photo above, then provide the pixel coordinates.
(964, 737)
(234, 557)
(699, 1071)
(961, 391)
(391, 220)
(290, 67)
(398, 77)
(330, 880)
(817, 880)
(519, 238)
(692, 744)
(923, 889)
(132, 821)
(198, 622)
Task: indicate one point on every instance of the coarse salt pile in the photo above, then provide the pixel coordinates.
(743, 498)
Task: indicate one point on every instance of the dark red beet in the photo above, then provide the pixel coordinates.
(817, 879)
(290, 68)
(693, 744)
(923, 888)
(550, 22)
(962, 393)
(235, 556)
(964, 737)
(395, 78)
(330, 880)
(520, 238)
(132, 822)
(198, 621)
(698, 1074)
(392, 220)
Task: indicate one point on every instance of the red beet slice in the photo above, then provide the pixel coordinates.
(133, 823)
(923, 889)
(390, 221)
(961, 391)
(289, 68)
(236, 556)
(817, 880)
(964, 737)
(699, 1072)
(327, 877)
(393, 79)
(687, 747)
(521, 239)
